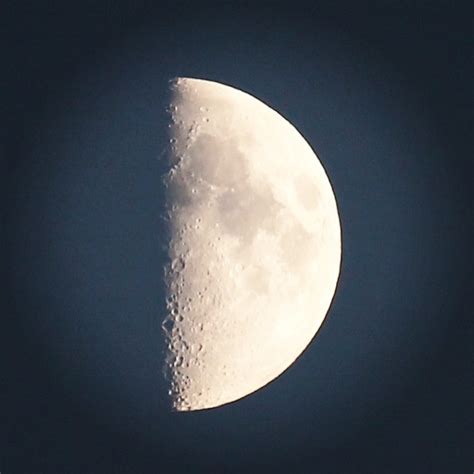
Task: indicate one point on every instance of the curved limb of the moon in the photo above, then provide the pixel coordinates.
(255, 244)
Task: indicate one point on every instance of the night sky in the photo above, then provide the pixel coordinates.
(382, 92)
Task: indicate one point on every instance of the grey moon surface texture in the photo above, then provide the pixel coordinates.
(254, 244)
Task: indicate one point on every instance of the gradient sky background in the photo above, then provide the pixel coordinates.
(382, 92)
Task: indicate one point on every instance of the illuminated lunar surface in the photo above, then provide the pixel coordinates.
(255, 245)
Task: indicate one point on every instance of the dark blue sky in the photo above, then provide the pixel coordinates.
(382, 94)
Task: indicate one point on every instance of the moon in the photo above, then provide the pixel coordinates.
(254, 245)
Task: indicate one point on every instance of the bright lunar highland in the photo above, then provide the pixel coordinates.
(254, 245)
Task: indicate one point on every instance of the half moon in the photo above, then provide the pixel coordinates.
(254, 245)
